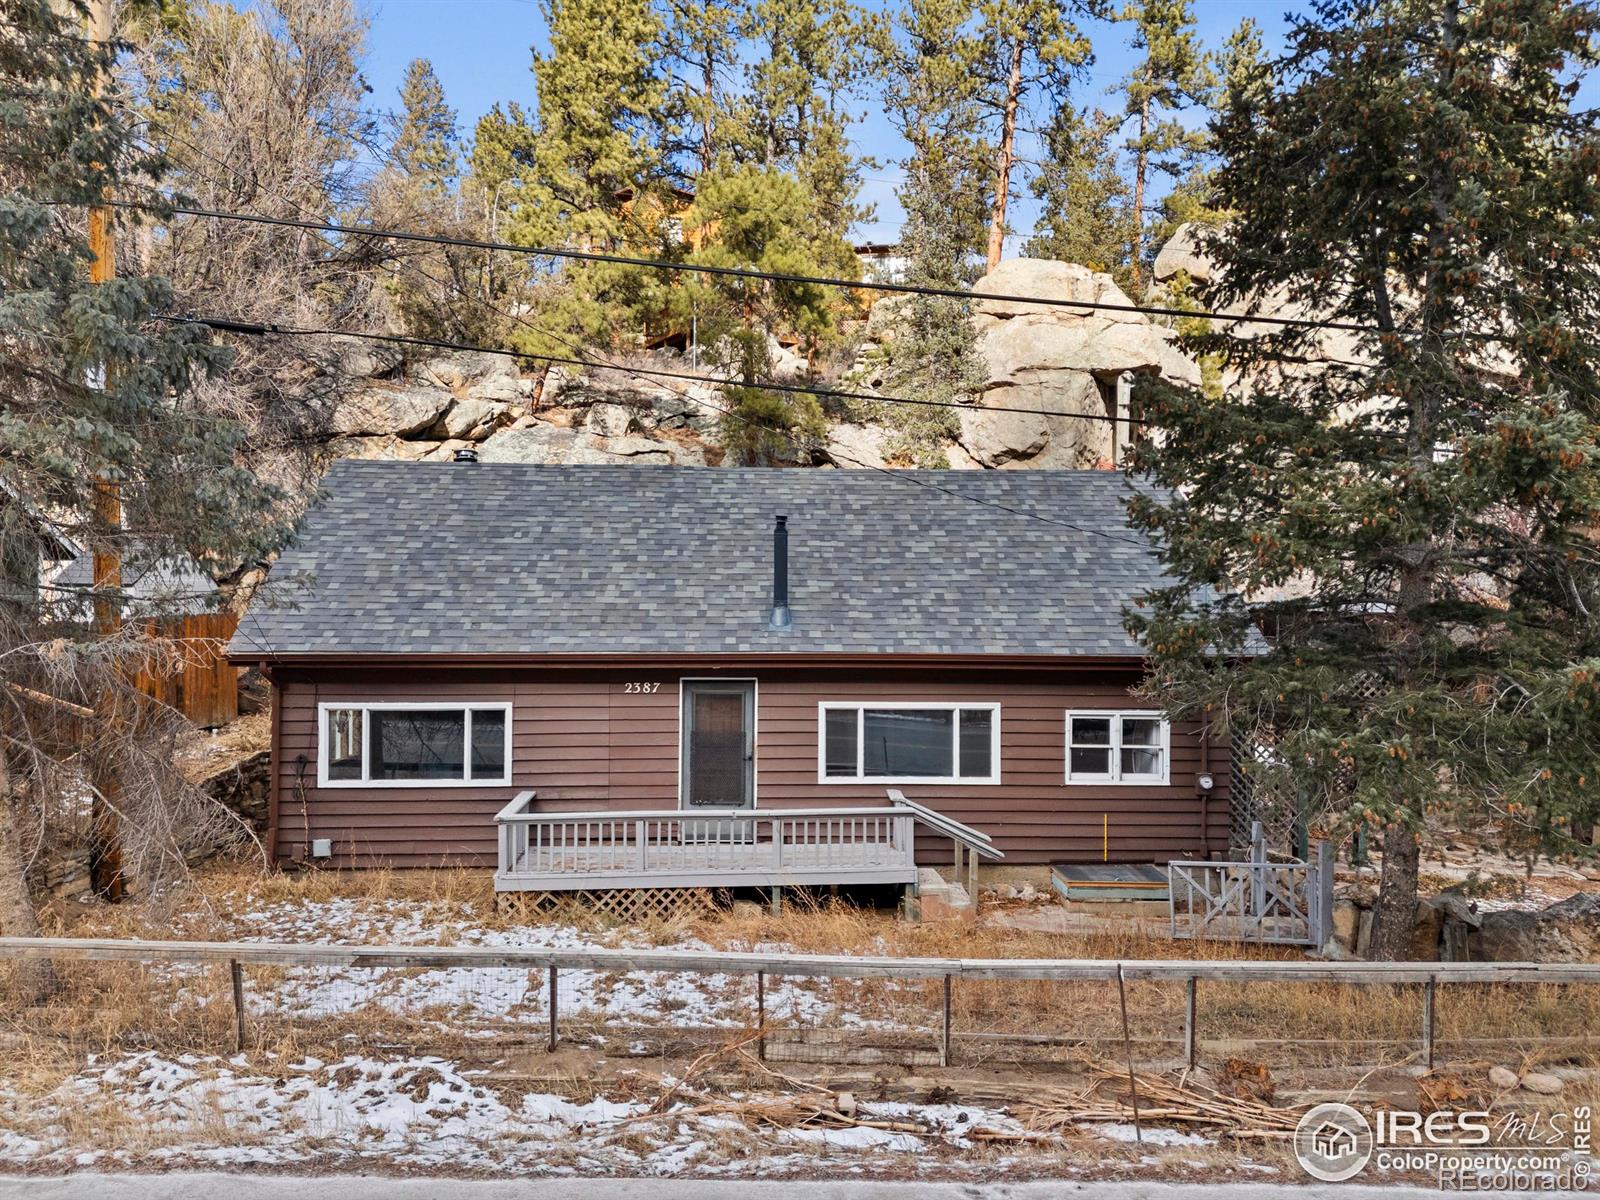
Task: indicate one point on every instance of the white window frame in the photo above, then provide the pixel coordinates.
(366, 706)
(826, 706)
(1115, 777)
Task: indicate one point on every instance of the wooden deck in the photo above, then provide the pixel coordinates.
(723, 848)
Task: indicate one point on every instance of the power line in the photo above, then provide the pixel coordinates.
(788, 434)
(254, 329)
(258, 329)
(659, 264)
(799, 389)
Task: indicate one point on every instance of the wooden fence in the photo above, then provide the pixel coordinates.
(948, 971)
(205, 687)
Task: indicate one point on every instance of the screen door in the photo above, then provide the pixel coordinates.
(719, 743)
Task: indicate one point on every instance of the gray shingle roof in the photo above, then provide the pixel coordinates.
(150, 586)
(405, 558)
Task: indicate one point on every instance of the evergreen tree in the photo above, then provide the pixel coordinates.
(792, 114)
(437, 291)
(600, 97)
(763, 219)
(700, 56)
(928, 60)
(1086, 211)
(424, 150)
(98, 391)
(595, 180)
(1030, 45)
(1412, 526)
(1246, 77)
(1174, 74)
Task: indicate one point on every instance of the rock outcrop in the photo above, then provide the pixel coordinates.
(428, 411)
(1052, 375)
(1056, 359)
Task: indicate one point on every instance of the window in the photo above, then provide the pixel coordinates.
(413, 745)
(1109, 747)
(908, 743)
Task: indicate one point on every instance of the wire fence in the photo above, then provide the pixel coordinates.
(100, 996)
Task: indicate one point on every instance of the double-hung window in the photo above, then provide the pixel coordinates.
(1118, 747)
(908, 742)
(407, 744)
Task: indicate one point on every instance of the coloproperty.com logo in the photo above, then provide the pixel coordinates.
(1461, 1151)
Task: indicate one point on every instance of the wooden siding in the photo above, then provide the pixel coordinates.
(582, 740)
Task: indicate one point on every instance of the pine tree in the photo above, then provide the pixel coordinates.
(600, 96)
(1174, 74)
(1192, 200)
(763, 219)
(932, 93)
(792, 113)
(1086, 211)
(1413, 525)
(97, 388)
(597, 174)
(1031, 45)
(437, 291)
(700, 57)
(424, 150)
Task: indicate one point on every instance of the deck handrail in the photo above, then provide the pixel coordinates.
(694, 814)
(979, 842)
(517, 807)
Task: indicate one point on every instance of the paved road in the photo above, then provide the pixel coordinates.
(210, 1186)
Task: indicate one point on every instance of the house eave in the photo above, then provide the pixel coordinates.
(699, 661)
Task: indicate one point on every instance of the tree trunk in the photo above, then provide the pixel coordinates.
(1394, 917)
(1141, 164)
(32, 978)
(708, 91)
(1006, 157)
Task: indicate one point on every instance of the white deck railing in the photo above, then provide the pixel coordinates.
(574, 851)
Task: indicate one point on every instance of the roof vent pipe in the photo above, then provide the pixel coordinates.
(466, 454)
(781, 619)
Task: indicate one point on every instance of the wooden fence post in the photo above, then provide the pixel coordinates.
(1127, 1047)
(552, 1044)
(237, 974)
(761, 1016)
(1191, 1036)
(944, 1042)
(1429, 999)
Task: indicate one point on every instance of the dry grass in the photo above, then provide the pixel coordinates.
(103, 1006)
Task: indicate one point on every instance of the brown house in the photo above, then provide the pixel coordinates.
(604, 658)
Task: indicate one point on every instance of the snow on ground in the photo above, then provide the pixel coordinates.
(463, 996)
(424, 1112)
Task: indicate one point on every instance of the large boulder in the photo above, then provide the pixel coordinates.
(387, 447)
(359, 358)
(1567, 931)
(461, 369)
(609, 420)
(856, 445)
(396, 411)
(1182, 255)
(1059, 360)
(540, 442)
(535, 443)
(472, 418)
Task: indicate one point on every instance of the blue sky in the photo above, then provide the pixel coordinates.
(481, 51)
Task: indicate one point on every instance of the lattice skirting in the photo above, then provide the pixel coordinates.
(630, 906)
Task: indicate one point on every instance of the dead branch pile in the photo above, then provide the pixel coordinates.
(1186, 1101)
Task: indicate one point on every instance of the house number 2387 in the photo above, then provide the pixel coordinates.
(641, 687)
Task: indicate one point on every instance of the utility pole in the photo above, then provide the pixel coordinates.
(105, 842)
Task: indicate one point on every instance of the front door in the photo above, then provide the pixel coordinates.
(719, 743)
